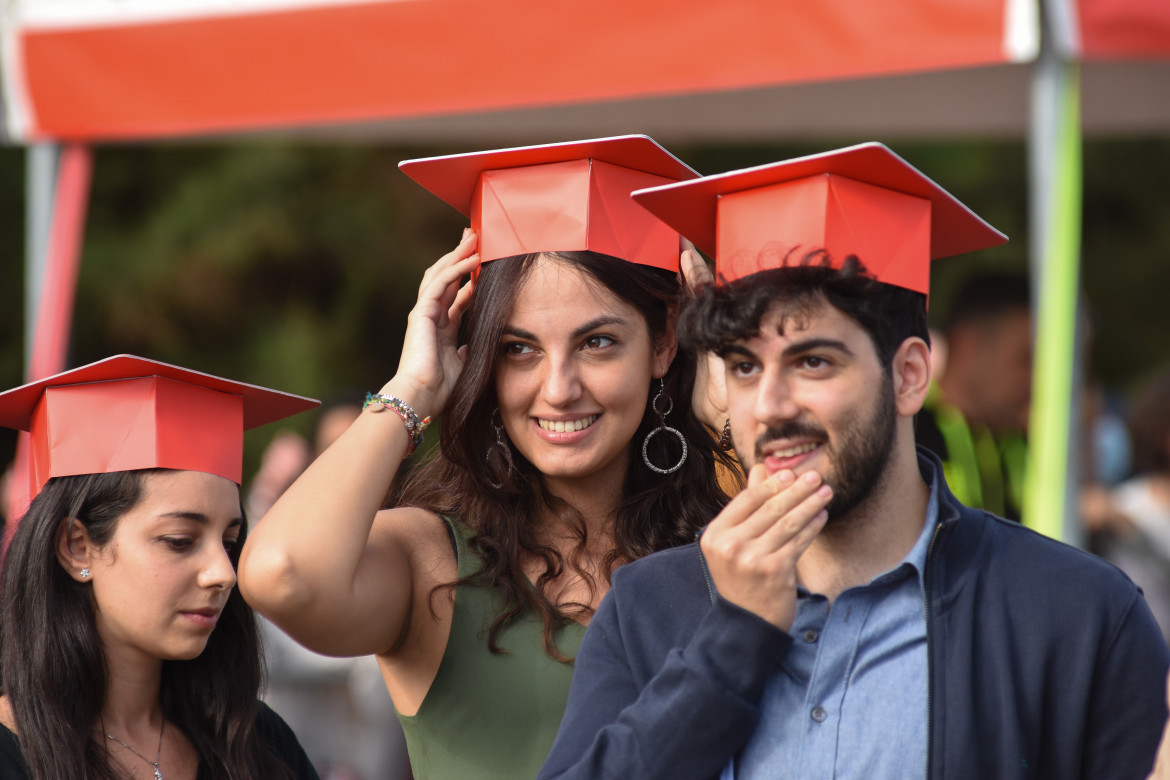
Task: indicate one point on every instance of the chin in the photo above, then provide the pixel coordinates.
(184, 652)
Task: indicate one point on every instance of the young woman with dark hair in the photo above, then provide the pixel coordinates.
(569, 446)
(125, 650)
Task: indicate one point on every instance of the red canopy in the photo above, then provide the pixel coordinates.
(106, 70)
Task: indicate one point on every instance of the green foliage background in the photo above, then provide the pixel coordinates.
(294, 265)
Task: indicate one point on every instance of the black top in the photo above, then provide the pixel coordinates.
(273, 731)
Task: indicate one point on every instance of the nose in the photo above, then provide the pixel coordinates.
(562, 380)
(217, 571)
(774, 401)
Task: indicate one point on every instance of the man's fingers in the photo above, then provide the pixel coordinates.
(760, 488)
(794, 493)
(805, 536)
(795, 523)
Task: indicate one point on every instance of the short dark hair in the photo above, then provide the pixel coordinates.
(987, 296)
(720, 315)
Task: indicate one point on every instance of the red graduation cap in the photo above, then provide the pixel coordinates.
(126, 412)
(862, 200)
(560, 197)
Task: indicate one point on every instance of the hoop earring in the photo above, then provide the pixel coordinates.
(725, 442)
(501, 447)
(663, 427)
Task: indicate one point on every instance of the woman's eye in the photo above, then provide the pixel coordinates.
(517, 348)
(230, 544)
(598, 342)
(178, 543)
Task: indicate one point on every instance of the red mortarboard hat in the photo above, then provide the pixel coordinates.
(560, 197)
(125, 413)
(863, 200)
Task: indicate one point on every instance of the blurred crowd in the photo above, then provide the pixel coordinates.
(976, 420)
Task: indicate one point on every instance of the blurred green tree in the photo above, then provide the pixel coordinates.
(294, 265)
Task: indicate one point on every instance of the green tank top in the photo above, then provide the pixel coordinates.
(489, 715)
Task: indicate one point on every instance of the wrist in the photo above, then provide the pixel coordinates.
(415, 426)
(417, 396)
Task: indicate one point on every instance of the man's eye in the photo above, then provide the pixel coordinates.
(741, 368)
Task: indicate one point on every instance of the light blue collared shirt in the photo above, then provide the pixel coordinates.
(849, 700)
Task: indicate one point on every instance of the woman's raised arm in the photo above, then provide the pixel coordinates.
(324, 564)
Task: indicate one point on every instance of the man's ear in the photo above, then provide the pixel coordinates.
(911, 376)
(665, 349)
(75, 550)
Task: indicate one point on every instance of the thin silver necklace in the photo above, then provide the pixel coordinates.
(157, 755)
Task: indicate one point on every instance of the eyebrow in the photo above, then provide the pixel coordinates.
(594, 324)
(200, 518)
(736, 349)
(795, 348)
(809, 345)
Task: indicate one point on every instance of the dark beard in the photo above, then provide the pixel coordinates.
(859, 454)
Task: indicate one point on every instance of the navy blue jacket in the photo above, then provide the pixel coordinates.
(1044, 663)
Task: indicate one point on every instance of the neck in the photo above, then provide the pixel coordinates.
(594, 503)
(875, 536)
(595, 498)
(133, 710)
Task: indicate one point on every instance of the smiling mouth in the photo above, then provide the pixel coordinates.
(792, 452)
(566, 426)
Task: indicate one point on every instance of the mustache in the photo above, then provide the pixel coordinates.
(788, 430)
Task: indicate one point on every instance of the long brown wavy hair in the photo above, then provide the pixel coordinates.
(53, 664)
(502, 505)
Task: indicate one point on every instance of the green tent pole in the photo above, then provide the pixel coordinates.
(1049, 503)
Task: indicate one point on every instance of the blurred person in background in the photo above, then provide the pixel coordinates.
(125, 649)
(338, 706)
(569, 446)
(1135, 534)
(976, 414)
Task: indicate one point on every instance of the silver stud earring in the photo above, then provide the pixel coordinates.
(85, 574)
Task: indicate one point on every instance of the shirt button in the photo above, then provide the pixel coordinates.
(810, 636)
(819, 714)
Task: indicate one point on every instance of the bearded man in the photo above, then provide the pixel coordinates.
(845, 616)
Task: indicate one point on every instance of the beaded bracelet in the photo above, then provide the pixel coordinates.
(414, 426)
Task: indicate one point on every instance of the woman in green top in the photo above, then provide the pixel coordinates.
(561, 457)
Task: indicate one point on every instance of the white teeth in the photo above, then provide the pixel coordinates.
(791, 452)
(561, 426)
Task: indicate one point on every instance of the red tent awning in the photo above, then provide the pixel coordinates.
(125, 73)
(1124, 29)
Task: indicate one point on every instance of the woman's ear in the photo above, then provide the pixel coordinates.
(665, 349)
(75, 550)
(911, 376)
